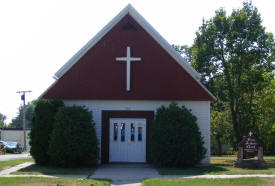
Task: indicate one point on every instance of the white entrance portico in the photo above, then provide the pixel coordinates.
(127, 140)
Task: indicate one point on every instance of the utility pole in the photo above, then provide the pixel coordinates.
(22, 93)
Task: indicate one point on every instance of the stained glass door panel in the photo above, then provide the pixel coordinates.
(127, 140)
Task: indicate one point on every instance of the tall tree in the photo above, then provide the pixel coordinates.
(235, 51)
(17, 122)
(221, 129)
(2, 120)
(265, 101)
(185, 51)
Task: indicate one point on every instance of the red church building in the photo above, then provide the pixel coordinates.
(123, 75)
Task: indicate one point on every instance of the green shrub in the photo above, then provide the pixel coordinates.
(73, 141)
(175, 139)
(42, 124)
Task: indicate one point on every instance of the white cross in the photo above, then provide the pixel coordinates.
(250, 133)
(128, 60)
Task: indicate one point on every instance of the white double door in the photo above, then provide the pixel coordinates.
(127, 140)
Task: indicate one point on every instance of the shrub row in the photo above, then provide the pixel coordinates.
(63, 136)
(175, 138)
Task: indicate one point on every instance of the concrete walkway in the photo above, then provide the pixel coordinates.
(7, 157)
(15, 168)
(7, 172)
(132, 175)
(220, 176)
(125, 175)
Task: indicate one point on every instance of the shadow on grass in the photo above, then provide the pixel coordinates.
(48, 170)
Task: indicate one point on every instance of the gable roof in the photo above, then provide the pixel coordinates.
(129, 10)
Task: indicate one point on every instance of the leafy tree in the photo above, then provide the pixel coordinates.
(17, 122)
(73, 141)
(175, 138)
(232, 53)
(2, 120)
(221, 129)
(42, 125)
(185, 51)
(265, 101)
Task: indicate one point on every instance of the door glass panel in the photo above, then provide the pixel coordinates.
(139, 132)
(122, 129)
(132, 132)
(115, 131)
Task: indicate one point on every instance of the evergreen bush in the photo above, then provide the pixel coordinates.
(73, 141)
(175, 139)
(42, 124)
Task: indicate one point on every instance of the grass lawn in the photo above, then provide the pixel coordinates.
(208, 182)
(222, 165)
(35, 181)
(11, 163)
(38, 169)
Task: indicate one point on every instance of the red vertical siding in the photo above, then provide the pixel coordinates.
(97, 75)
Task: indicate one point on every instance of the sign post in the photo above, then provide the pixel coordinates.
(248, 148)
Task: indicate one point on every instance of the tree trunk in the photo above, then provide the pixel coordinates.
(236, 126)
(231, 96)
(218, 138)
